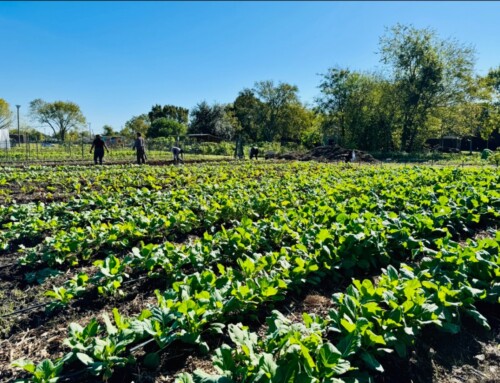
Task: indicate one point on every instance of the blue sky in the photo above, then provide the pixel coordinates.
(117, 59)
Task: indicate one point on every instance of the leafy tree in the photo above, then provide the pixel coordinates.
(493, 83)
(137, 124)
(494, 80)
(246, 109)
(296, 120)
(338, 87)
(428, 73)
(228, 126)
(108, 130)
(172, 112)
(311, 135)
(163, 127)
(275, 101)
(358, 109)
(60, 116)
(206, 119)
(5, 114)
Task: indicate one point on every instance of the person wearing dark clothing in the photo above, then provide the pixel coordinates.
(254, 152)
(178, 154)
(98, 145)
(140, 148)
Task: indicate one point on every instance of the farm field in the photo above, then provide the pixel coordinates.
(245, 271)
(78, 156)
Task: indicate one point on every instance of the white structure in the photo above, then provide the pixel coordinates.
(4, 139)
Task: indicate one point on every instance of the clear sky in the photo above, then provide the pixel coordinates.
(116, 59)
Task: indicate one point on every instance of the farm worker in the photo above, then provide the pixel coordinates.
(350, 157)
(178, 154)
(254, 152)
(140, 148)
(99, 145)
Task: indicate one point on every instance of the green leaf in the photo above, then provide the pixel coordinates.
(350, 344)
(342, 367)
(307, 355)
(350, 327)
(203, 377)
(350, 304)
(400, 349)
(110, 328)
(152, 360)
(26, 365)
(341, 218)
(371, 362)
(184, 377)
(267, 365)
(392, 273)
(323, 234)
(451, 328)
(374, 338)
(329, 355)
(478, 317)
(84, 358)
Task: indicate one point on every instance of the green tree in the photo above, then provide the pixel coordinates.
(428, 73)
(358, 109)
(137, 124)
(276, 101)
(5, 114)
(206, 119)
(340, 89)
(296, 119)
(246, 109)
(311, 134)
(60, 116)
(494, 80)
(172, 112)
(108, 130)
(493, 84)
(163, 127)
(227, 126)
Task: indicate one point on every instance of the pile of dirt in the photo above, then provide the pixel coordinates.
(328, 153)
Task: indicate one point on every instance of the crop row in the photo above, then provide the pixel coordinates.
(360, 236)
(423, 213)
(203, 301)
(117, 178)
(455, 211)
(367, 322)
(83, 225)
(22, 222)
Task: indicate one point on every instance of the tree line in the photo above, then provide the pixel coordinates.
(427, 88)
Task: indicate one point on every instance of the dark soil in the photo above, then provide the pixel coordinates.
(473, 355)
(329, 153)
(470, 356)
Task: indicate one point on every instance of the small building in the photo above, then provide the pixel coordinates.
(114, 141)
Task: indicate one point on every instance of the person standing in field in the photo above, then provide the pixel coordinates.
(178, 154)
(98, 145)
(140, 148)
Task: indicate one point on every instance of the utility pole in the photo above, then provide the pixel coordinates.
(18, 131)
